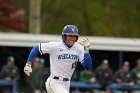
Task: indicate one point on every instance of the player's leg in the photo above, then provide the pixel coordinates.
(57, 89)
(55, 86)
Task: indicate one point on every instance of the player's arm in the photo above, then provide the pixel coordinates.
(32, 56)
(41, 48)
(87, 63)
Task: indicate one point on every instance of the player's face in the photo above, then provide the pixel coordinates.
(70, 40)
(126, 68)
(10, 64)
(105, 66)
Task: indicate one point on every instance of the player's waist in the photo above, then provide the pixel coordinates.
(60, 78)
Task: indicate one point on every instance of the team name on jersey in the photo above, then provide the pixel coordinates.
(68, 56)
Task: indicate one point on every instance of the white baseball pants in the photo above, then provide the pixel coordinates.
(57, 85)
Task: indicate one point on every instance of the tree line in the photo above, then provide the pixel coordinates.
(117, 18)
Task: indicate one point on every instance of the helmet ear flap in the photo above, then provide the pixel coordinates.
(76, 38)
(63, 37)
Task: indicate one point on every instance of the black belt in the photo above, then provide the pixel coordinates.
(64, 79)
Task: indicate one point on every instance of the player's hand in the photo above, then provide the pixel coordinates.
(86, 43)
(28, 69)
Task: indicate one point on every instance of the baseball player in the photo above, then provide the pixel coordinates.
(64, 56)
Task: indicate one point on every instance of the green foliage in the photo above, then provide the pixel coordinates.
(119, 18)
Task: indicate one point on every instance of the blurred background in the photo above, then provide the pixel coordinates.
(113, 27)
(115, 18)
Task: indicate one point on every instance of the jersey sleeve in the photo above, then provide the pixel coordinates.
(46, 47)
(81, 54)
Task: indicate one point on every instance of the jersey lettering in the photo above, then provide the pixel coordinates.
(68, 56)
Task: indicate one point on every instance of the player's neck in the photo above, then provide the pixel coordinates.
(67, 45)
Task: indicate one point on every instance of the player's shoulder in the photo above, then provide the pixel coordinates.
(53, 43)
(49, 45)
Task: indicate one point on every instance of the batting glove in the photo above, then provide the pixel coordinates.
(86, 43)
(28, 69)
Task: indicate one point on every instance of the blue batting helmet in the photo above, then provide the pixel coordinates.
(70, 30)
